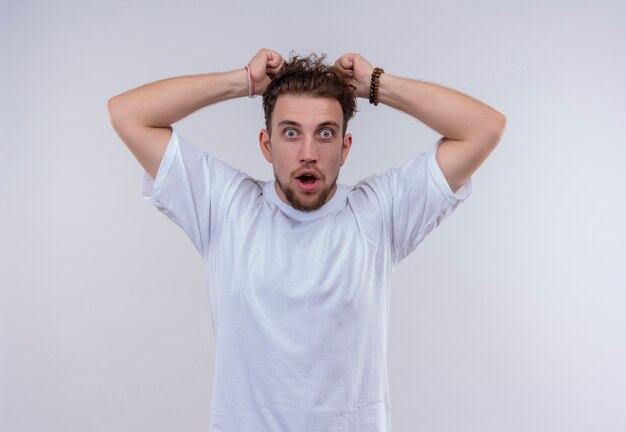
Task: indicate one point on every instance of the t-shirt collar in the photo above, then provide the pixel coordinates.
(335, 203)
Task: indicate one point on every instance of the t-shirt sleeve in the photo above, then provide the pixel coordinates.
(415, 198)
(188, 188)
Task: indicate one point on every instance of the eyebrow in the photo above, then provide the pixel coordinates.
(294, 123)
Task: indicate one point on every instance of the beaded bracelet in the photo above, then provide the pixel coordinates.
(374, 85)
(251, 88)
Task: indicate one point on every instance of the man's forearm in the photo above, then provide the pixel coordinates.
(142, 117)
(162, 103)
(451, 113)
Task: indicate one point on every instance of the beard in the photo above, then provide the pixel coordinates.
(296, 203)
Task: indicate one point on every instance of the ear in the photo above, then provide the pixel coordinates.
(264, 143)
(345, 148)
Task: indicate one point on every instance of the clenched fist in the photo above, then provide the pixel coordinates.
(357, 71)
(264, 66)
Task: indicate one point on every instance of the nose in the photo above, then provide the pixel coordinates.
(308, 150)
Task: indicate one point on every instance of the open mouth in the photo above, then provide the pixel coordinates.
(307, 181)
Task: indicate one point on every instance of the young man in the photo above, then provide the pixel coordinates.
(299, 267)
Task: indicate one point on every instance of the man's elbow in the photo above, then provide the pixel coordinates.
(500, 123)
(114, 109)
(496, 127)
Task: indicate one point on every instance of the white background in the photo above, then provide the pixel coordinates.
(509, 317)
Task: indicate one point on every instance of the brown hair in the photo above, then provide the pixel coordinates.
(310, 76)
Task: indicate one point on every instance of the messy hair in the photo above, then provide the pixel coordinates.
(310, 76)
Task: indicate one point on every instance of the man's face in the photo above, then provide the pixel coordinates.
(306, 149)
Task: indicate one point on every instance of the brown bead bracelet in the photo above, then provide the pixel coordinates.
(374, 85)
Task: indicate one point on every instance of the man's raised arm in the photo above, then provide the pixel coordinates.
(142, 116)
(471, 128)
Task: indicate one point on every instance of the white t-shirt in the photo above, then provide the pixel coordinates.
(299, 301)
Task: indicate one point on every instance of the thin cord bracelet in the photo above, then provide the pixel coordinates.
(251, 87)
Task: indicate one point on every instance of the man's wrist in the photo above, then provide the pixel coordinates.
(239, 82)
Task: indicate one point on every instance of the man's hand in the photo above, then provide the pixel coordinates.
(357, 71)
(265, 65)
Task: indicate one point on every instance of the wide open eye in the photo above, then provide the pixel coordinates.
(290, 133)
(326, 133)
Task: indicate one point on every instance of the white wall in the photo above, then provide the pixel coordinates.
(510, 316)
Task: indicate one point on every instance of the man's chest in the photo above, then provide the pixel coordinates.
(329, 259)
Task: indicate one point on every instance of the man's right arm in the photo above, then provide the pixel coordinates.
(142, 116)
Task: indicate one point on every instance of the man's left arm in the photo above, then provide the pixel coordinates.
(470, 128)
